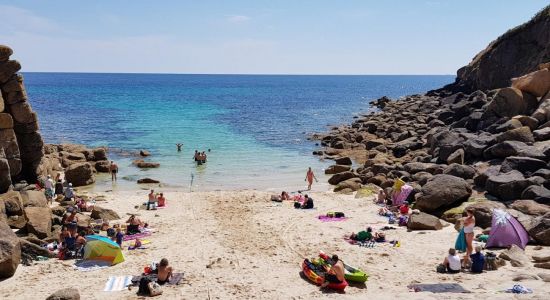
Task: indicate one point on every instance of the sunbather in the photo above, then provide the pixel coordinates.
(164, 272)
(362, 236)
(133, 225)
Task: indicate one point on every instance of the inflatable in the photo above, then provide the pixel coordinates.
(351, 273)
(316, 273)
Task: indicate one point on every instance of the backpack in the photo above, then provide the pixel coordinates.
(339, 214)
(297, 205)
(144, 286)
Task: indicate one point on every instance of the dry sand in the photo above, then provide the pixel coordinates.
(240, 245)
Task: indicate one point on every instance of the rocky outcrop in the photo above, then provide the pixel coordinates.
(423, 221)
(442, 191)
(10, 250)
(39, 221)
(516, 256)
(517, 52)
(80, 174)
(147, 180)
(104, 214)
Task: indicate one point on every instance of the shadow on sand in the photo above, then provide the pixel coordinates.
(439, 288)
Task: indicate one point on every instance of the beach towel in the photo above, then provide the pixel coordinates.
(91, 265)
(324, 218)
(136, 236)
(174, 280)
(400, 197)
(117, 283)
(460, 244)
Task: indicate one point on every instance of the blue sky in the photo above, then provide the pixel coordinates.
(256, 37)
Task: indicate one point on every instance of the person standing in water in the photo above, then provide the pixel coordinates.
(309, 177)
(179, 146)
(113, 169)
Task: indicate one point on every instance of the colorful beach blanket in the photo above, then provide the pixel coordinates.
(324, 218)
(117, 283)
(174, 280)
(136, 236)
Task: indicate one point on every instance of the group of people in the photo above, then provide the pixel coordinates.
(200, 157)
(57, 189)
(155, 200)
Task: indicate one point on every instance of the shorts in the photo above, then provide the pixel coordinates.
(332, 278)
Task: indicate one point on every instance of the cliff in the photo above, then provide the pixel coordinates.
(518, 51)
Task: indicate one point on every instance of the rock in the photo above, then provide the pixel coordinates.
(456, 157)
(509, 102)
(507, 186)
(423, 221)
(516, 256)
(525, 165)
(442, 191)
(104, 213)
(540, 230)
(334, 169)
(415, 167)
(7, 69)
(343, 161)
(542, 134)
(10, 251)
(5, 53)
(39, 221)
(422, 177)
(542, 114)
(544, 257)
(80, 174)
(34, 199)
(102, 166)
(353, 184)
(58, 210)
(544, 276)
(538, 193)
(100, 154)
(371, 144)
(65, 294)
(530, 122)
(459, 170)
(545, 265)
(382, 168)
(6, 121)
(368, 190)
(523, 277)
(337, 178)
(12, 202)
(5, 178)
(33, 250)
(512, 148)
(83, 220)
(144, 153)
(522, 134)
(483, 212)
(146, 165)
(147, 180)
(530, 207)
(536, 83)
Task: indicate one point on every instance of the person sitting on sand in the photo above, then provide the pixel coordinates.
(285, 196)
(362, 236)
(381, 197)
(308, 203)
(64, 233)
(478, 260)
(380, 237)
(336, 273)
(161, 200)
(452, 262)
(133, 225)
(164, 272)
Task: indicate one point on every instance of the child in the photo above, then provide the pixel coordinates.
(119, 237)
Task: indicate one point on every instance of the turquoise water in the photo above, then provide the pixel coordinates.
(255, 125)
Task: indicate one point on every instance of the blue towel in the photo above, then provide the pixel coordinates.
(460, 244)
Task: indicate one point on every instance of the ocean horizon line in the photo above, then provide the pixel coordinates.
(227, 74)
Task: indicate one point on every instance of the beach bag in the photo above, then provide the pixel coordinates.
(441, 268)
(403, 220)
(144, 286)
(154, 289)
(297, 205)
(339, 214)
(460, 244)
(491, 262)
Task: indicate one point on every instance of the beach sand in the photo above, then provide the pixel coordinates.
(240, 245)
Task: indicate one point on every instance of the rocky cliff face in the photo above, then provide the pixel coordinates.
(21, 146)
(517, 52)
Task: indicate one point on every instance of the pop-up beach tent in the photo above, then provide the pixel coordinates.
(506, 231)
(102, 248)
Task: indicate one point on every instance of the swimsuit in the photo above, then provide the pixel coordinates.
(469, 228)
(332, 278)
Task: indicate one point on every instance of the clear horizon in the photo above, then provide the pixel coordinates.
(256, 37)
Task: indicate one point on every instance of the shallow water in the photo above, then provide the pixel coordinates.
(255, 125)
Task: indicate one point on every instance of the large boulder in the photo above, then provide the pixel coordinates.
(530, 207)
(509, 102)
(423, 221)
(343, 161)
(12, 202)
(459, 170)
(542, 134)
(80, 174)
(65, 294)
(102, 166)
(542, 114)
(512, 148)
(337, 178)
(525, 165)
(34, 199)
(516, 256)
(507, 186)
(483, 212)
(39, 221)
(353, 184)
(99, 154)
(147, 180)
(5, 178)
(522, 134)
(415, 167)
(5, 53)
(334, 169)
(145, 164)
(104, 213)
(442, 191)
(536, 83)
(540, 229)
(10, 251)
(538, 193)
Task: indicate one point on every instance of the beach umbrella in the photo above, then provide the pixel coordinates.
(102, 248)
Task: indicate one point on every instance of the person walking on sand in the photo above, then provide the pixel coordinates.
(309, 177)
(113, 169)
(179, 146)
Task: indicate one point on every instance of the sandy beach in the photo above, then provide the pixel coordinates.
(240, 245)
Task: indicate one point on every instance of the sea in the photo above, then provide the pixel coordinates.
(254, 128)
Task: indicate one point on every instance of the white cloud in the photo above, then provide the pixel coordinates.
(15, 19)
(238, 18)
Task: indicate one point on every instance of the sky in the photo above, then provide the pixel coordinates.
(256, 36)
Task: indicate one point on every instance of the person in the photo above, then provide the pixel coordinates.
(152, 200)
(179, 146)
(133, 225)
(64, 233)
(203, 157)
(113, 169)
(469, 224)
(380, 237)
(336, 273)
(452, 262)
(308, 202)
(404, 209)
(58, 187)
(285, 196)
(70, 216)
(69, 192)
(478, 260)
(309, 177)
(49, 189)
(362, 235)
(119, 237)
(196, 156)
(381, 197)
(164, 272)
(161, 200)
(209, 150)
